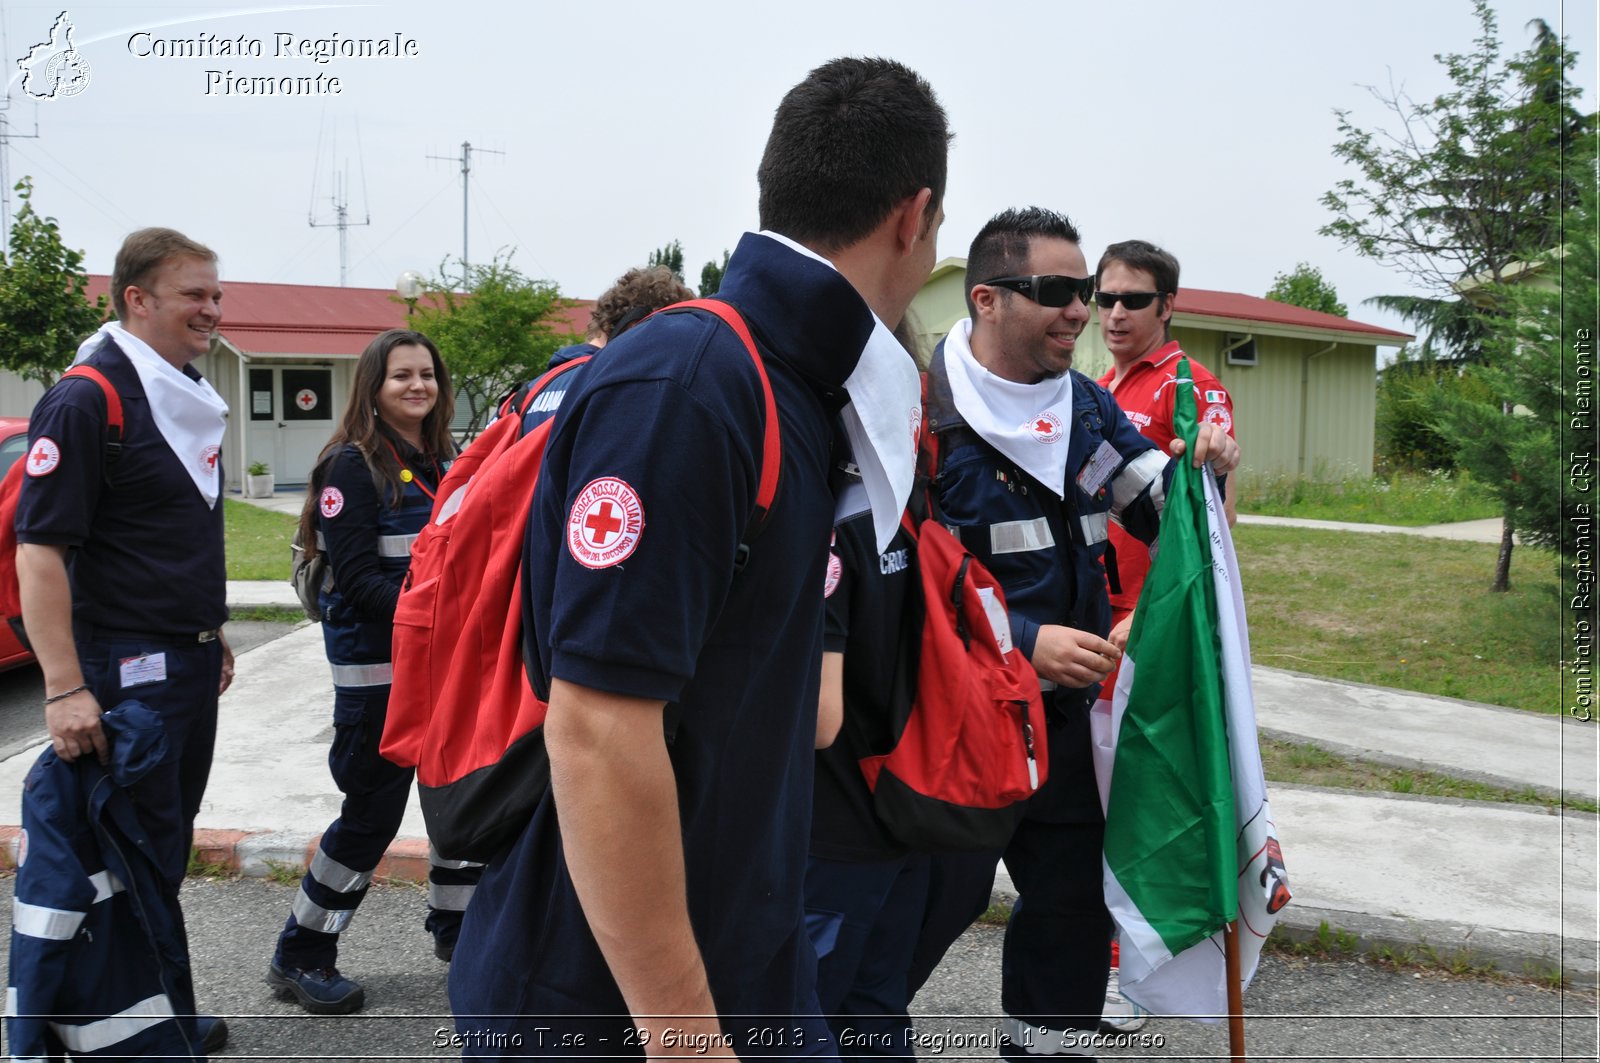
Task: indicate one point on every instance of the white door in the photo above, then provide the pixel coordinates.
(292, 414)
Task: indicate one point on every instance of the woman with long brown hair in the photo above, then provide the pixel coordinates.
(370, 493)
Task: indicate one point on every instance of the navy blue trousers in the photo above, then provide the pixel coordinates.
(375, 794)
(863, 918)
(167, 798)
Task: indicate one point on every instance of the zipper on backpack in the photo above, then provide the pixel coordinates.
(1027, 745)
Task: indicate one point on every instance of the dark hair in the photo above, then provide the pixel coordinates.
(1002, 246)
(1141, 254)
(362, 426)
(849, 143)
(1160, 263)
(640, 292)
(142, 254)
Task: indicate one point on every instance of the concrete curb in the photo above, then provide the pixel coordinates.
(1441, 941)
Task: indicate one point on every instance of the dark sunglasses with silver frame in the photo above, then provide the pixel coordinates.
(1051, 289)
(1131, 300)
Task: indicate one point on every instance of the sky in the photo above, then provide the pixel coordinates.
(602, 131)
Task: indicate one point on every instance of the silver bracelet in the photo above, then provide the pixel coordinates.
(65, 694)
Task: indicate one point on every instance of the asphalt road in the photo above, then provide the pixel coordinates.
(22, 689)
(1298, 1009)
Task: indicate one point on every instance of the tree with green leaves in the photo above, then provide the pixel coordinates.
(45, 310)
(711, 276)
(1306, 287)
(1467, 187)
(671, 257)
(1529, 366)
(494, 336)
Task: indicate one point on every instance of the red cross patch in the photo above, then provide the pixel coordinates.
(43, 457)
(208, 458)
(606, 521)
(331, 502)
(1219, 416)
(1046, 427)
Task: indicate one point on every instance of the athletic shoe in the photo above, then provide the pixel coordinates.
(323, 991)
(1120, 1015)
(213, 1033)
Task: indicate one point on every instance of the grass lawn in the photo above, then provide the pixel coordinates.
(257, 541)
(1407, 499)
(1404, 612)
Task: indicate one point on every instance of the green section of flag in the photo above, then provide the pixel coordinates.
(1170, 821)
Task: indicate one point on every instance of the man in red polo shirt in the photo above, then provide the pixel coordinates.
(1136, 283)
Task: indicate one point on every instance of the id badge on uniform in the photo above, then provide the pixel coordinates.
(1098, 469)
(144, 669)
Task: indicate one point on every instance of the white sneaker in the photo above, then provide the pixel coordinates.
(1120, 1015)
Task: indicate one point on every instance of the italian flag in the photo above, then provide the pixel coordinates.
(1190, 844)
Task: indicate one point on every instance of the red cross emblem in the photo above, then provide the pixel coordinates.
(331, 502)
(209, 458)
(1046, 427)
(306, 399)
(606, 521)
(601, 524)
(44, 457)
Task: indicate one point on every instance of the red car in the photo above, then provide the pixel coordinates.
(13, 442)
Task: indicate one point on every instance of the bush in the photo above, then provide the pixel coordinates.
(1411, 395)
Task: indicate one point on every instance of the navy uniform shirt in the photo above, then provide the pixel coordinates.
(368, 538)
(874, 618)
(644, 496)
(145, 551)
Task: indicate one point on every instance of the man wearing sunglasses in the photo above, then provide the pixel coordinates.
(1036, 462)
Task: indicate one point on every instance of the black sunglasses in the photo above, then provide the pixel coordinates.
(1131, 300)
(1050, 289)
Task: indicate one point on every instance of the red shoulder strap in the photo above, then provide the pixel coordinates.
(538, 385)
(113, 400)
(771, 443)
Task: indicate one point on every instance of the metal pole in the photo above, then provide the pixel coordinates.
(466, 171)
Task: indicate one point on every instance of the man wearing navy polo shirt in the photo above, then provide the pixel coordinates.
(654, 903)
(120, 559)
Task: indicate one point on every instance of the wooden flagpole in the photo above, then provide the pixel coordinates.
(1230, 942)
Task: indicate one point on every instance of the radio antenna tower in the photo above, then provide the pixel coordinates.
(340, 201)
(465, 159)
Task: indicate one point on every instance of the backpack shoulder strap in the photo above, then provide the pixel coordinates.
(771, 442)
(114, 422)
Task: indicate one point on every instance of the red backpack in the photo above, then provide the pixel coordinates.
(461, 709)
(971, 748)
(11, 494)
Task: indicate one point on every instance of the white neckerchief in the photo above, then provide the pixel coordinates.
(189, 413)
(881, 418)
(1029, 423)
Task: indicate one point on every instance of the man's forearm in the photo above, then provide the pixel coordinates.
(47, 614)
(617, 805)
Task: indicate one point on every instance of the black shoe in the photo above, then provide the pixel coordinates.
(445, 950)
(213, 1033)
(323, 991)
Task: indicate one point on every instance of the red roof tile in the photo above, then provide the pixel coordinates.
(310, 319)
(1252, 308)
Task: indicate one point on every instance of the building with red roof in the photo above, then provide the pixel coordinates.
(283, 359)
